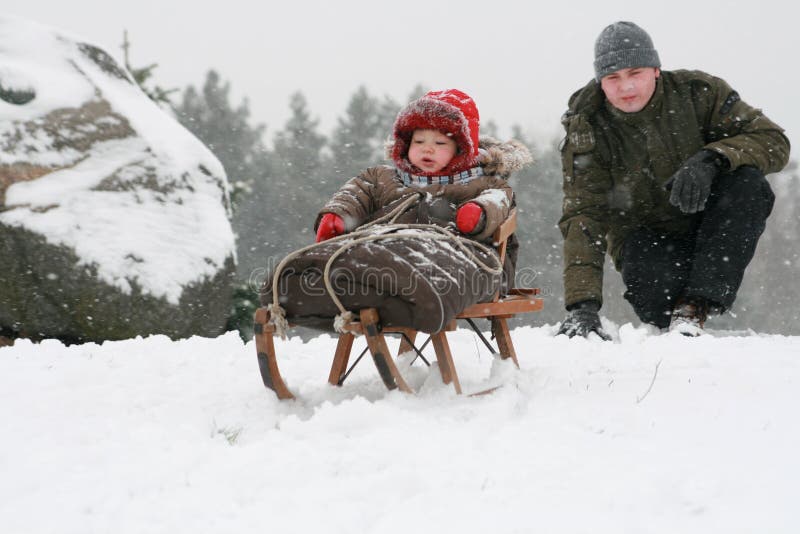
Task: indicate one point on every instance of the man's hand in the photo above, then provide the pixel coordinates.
(582, 320)
(330, 225)
(470, 218)
(691, 184)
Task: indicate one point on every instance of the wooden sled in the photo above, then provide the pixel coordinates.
(498, 311)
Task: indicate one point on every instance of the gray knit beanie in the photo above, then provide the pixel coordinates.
(623, 45)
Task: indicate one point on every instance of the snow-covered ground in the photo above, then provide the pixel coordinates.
(650, 433)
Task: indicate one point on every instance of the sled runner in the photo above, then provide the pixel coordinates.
(367, 322)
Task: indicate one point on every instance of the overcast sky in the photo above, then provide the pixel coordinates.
(520, 60)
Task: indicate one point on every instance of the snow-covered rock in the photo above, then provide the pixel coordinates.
(114, 219)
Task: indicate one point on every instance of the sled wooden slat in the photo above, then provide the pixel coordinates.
(407, 345)
(357, 329)
(504, 344)
(447, 368)
(340, 359)
(508, 306)
(370, 323)
(267, 361)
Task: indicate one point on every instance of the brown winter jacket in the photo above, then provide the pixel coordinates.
(615, 164)
(376, 191)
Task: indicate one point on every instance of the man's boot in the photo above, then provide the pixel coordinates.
(689, 316)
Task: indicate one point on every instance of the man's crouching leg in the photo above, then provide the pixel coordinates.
(733, 221)
(655, 267)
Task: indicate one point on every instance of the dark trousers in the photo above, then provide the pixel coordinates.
(708, 262)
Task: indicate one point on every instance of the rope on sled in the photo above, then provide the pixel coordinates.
(395, 212)
(394, 231)
(277, 316)
(361, 235)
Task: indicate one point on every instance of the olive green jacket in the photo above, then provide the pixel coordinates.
(615, 164)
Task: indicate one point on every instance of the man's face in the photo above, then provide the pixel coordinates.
(630, 90)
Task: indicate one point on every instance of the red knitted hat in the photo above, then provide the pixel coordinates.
(451, 112)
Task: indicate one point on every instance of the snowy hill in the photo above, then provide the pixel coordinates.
(650, 433)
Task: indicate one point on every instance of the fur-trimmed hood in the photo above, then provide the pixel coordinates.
(503, 158)
(499, 158)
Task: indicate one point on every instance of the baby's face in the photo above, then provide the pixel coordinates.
(431, 150)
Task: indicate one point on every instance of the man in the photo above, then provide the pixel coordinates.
(665, 172)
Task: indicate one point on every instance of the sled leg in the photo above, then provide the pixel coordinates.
(380, 352)
(340, 359)
(445, 358)
(405, 346)
(503, 336)
(267, 362)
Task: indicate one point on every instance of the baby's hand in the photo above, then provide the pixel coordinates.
(470, 218)
(330, 226)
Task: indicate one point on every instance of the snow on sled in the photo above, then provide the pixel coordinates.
(427, 280)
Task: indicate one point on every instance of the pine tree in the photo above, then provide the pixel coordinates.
(767, 299)
(226, 131)
(356, 141)
(417, 91)
(489, 129)
(299, 184)
(141, 75)
(538, 193)
(387, 113)
(298, 147)
(359, 139)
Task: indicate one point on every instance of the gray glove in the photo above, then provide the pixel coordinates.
(691, 183)
(582, 320)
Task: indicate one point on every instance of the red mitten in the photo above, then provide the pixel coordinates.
(330, 226)
(469, 217)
